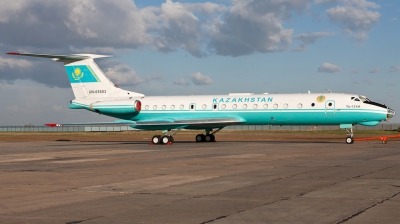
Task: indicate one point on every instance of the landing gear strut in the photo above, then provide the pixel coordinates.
(349, 138)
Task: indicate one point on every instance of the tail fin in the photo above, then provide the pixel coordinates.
(86, 78)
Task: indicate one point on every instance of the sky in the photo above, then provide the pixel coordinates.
(191, 47)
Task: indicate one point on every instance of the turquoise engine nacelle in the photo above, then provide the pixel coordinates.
(112, 108)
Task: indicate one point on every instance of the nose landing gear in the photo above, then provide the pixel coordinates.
(350, 139)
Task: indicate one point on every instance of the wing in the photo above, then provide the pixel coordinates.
(162, 124)
(186, 123)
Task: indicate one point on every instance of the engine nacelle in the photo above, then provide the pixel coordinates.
(125, 107)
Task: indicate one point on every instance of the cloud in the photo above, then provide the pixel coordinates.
(327, 1)
(57, 24)
(181, 82)
(254, 26)
(374, 70)
(123, 75)
(105, 26)
(355, 17)
(393, 19)
(38, 70)
(199, 79)
(329, 68)
(14, 63)
(309, 38)
(394, 68)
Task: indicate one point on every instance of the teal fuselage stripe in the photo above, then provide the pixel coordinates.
(264, 117)
(274, 117)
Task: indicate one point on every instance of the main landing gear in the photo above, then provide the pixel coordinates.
(349, 138)
(208, 137)
(166, 138)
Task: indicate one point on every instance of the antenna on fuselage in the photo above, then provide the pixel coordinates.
(329, 90)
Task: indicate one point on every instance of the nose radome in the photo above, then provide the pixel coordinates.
(390, 113)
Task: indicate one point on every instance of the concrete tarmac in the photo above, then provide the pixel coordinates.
(222, 182)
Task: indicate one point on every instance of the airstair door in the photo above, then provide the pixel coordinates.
(330, 108)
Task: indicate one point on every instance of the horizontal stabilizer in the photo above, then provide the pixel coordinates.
(56, 57)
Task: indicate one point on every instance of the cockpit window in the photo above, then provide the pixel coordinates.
(364, 99)
(354, 98)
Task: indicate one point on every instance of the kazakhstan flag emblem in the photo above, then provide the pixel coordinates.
(77, 74)
(321, 98)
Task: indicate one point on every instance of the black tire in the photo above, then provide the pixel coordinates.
(200, 138)
(349, 140)
(171, 139)
(165, 139)
(213, 138)
(209, 138)
(156, 139)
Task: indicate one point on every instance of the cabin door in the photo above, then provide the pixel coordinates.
(330, 108)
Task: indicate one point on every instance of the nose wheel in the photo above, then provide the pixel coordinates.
(350, 139)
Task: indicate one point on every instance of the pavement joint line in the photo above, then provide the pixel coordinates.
(226, 216)
(361, 175)
(84, 220)
(364, 210)
(280, 178)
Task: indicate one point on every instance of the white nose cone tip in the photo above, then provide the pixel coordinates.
(390, 113)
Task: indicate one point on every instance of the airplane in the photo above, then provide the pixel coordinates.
(95, 92)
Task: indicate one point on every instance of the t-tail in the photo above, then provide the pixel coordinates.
(86, 78)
